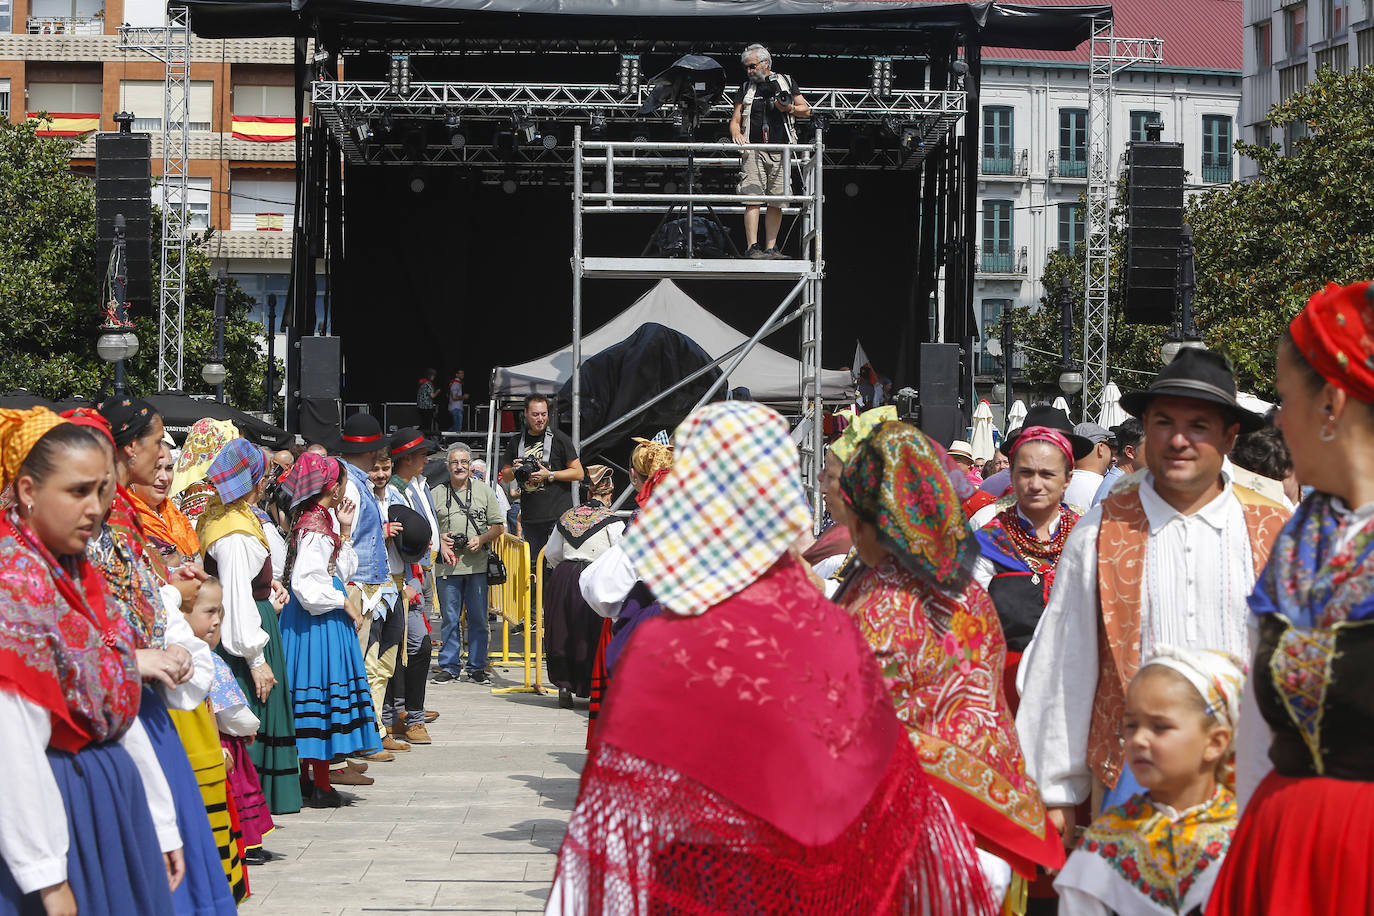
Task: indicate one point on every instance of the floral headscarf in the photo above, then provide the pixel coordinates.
(897, 482)
(860, 428)
(730, 509)
(202, 444)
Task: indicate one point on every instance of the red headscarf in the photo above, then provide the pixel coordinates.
(1335, 332)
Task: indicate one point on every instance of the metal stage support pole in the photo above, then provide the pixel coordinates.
(1109, 56)
(577, 292)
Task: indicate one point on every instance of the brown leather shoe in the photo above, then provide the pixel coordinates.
(418, 734)
(356, 766)
(391, 744)
(382, 756)
(430, 716)
(398, 730)
(347, 777)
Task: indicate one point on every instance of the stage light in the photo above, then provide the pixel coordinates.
(388, 123)
(454, 125)
(509, 186)
(911, 138)
(629, 76)
(641, 138)
(452, 121)
(523, 126)
(417, 185)
(598, 124)
(363, 131)
(549, 139)
(892, 126)
(398, 74)
(880, 77)
(457, 140)
(960, 67)
(670, 187)
(851, 189)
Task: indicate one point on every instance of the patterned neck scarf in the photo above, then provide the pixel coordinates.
(134, 571)
(1010, 540)
(1310, 582)
(732, 507)
(166, 527)
(897, 482)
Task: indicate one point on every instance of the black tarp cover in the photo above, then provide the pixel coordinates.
(869, 24)
(624, 376)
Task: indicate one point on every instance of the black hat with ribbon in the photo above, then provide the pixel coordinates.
(413, 541)
(409, 440)
(1199, 375)
(361, 434)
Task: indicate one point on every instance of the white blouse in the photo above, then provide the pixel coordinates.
(240, 558)
(311, 582)
(178, 633)
(33, 822)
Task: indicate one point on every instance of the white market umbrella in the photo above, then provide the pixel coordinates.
(1253, 404)
(1110, 413)
(1061, 404)
(981, 440)
(1016, 415)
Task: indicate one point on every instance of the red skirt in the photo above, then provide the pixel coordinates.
(1304, 847)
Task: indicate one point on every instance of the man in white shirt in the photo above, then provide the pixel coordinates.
(1088, 470)
(1169, 557)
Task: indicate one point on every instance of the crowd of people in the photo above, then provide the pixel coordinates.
(975, 691)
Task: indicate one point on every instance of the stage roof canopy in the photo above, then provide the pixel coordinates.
(862, 26)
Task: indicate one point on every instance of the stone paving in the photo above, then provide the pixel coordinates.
(470, 824)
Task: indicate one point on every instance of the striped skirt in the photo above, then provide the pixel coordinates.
(329, 690)
(274, 753)
(201, 740)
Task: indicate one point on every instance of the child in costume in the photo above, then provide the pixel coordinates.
(1160, 852)
(238, 727)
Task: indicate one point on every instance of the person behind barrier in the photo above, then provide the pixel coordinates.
(469, 522)
(544, 462)
(766, 109)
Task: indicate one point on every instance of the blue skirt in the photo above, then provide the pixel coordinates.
(205, 890)
(329, 691)
(113, 862)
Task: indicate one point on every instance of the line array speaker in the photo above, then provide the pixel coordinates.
(123, 185)
(1154, 222)
(941, 418)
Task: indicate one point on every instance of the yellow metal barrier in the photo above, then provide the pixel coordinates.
(512, 601)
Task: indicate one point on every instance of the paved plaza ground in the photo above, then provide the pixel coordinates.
(470, 824)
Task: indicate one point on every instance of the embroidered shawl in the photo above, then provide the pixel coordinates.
(1138, 862)
(316, 520)
(942, 657)
(1309, 582)
(61, 646)
(225, 692)
(133, 570)
(581, 522)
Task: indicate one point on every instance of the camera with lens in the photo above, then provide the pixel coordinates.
(770, 89)
(524, 469)
(460, 542)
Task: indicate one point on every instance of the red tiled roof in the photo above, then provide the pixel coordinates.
(1198, 34)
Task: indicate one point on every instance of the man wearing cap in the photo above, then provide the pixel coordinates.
(409, 451)
(1129, 455)
(1089, 470)
(1169, 557)
(372, 587)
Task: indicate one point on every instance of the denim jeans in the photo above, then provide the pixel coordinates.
(456, 414)
(455, 594)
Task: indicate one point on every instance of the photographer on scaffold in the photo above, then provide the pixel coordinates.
(766, 110)
(544, 462)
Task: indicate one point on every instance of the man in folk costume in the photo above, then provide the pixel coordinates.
(372, 586)
(1169, 557)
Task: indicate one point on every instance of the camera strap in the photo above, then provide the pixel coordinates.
(546, 445)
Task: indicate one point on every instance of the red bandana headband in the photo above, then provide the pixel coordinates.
(1335, 332)
(85, 416)
(1044, 434)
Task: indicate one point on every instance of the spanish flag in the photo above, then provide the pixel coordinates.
(264, 129)
(65, 123)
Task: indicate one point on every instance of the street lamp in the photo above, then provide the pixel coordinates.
(1183, 334)
(1070, 379)
(117, 341)
(214, 372)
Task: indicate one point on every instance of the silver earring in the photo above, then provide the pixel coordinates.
(1328, 432)
(30, 512)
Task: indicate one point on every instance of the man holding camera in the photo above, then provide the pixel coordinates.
(766, 109)
(470, 521)
(543, 461)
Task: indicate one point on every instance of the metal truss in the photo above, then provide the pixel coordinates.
(171, 45)
(1109, 56)
(347, 107)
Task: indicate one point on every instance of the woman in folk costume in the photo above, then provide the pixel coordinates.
(190, 490)
(163, 524)
(176, 665)
(572, 630)
(87, 821)
(1022, 544)
(237, 552)
(330, 696)
(784, 783)
(939, 643)
(1305, 844)
(1158, 853)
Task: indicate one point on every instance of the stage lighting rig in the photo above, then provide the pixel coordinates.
(549, 139)
(692, 84)
(880, 78)
(388, 123)
(911, 138)
(523, 126)
(598, 124)
(398, 74)
(629, 75)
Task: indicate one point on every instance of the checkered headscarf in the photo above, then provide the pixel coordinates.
(239, 465)
(310, 474)
(731, 506)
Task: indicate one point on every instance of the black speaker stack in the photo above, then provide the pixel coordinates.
(321, 372)
(124, 185)
(1154, 222)
(941, 417)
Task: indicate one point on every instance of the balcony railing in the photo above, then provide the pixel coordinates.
(66, 25)
(1216, 171)
(1007, 164)
(1000, 260)
(1059, 167)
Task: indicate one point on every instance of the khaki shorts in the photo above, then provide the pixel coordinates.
(762, 173)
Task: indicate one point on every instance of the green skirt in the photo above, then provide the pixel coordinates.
(274, 752)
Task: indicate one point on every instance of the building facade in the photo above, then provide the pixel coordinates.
(1286, 43)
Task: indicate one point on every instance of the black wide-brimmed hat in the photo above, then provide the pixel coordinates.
(1199, 375)
(413, 541)
(361, 434)
(409, 440)
(1053, 418)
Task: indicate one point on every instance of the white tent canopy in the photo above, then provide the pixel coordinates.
(768, 374)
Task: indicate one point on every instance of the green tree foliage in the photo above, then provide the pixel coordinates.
(1262, 247)
(51, 289)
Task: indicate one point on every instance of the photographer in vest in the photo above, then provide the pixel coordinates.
(544, 462)
(766, 110)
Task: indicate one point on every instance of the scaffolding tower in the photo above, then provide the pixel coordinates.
(1109, 56)
(171, 45)
(611, 160)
